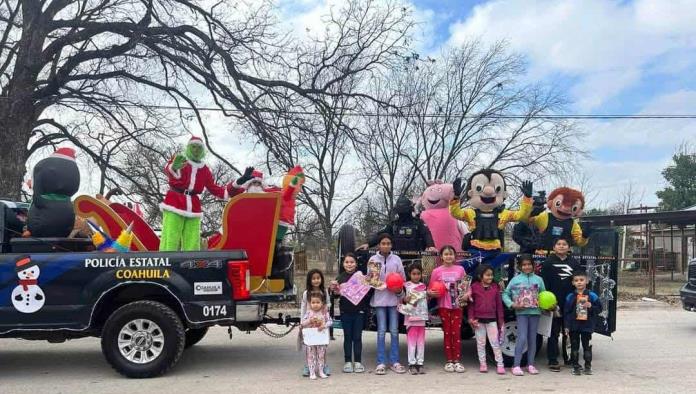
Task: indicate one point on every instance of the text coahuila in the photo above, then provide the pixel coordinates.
(133, 262)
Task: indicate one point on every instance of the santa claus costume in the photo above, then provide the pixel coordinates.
(181, 208)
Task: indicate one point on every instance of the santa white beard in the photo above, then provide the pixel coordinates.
(255, 189)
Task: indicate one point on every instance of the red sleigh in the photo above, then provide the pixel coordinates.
(249, 223)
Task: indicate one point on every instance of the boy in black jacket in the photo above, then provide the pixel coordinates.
(580, 315)
(557, 271)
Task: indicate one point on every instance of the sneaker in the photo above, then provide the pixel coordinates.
(381, 369)
(413, 370)
(532, 370)
(577, 371)
(305, 371)
(421, 369)
(500, 370)
(483, 368)
(348, 367)
(459, 368)
(517, 371)
(398, 368)
(358, 368)
(588, 370)
(555, 367)
(327, 370)
(449, 367)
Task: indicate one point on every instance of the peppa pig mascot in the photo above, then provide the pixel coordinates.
(445, 229)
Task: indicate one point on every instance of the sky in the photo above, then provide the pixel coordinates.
(607, 57)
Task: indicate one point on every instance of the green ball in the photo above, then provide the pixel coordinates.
(547, 300)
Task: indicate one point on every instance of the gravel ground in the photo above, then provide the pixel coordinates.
(654, 350)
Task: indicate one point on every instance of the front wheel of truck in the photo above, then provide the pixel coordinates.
(143, 339)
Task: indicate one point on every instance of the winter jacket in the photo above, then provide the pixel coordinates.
(524, 286)
(558, 276)
(392, 263)
(486, 303)
(345, 306)
(569, 312)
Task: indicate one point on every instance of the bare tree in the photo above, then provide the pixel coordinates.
(61, 58)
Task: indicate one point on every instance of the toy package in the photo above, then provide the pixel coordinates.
(373, 270)
(459, 292)
(581, 303)
(528, 296)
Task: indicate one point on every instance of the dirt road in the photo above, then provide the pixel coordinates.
(654, 350)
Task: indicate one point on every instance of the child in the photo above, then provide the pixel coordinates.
(415, 309)
(557, 271)
(385, 301)
(316, 317)
(352, 318)
(450, 307)
(580, 312)
(314, 283)
(522, 294)
(486, 317)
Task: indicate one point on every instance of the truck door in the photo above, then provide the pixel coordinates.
(42, 291)
(600, 260)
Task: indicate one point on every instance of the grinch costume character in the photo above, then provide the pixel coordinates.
(181, 208)
(565, 206)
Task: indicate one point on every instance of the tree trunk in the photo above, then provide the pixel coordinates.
(14, 134)
(330, 259)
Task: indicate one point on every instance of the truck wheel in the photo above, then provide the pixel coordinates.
(508, 346)
(194, 335)
(143, 339)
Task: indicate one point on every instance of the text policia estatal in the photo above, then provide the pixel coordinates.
(132, 262)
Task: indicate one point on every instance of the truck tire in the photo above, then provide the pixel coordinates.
(143, 339)
(508, 347)
(194, 335)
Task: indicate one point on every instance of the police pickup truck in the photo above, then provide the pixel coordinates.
(146, 306)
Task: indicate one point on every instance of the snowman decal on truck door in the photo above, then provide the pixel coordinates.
(27, 297)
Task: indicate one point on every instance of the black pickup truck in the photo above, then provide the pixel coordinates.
(146, 307)
(688, 291)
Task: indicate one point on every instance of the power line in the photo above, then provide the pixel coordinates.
(352, 113)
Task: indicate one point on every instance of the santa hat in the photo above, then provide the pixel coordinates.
(64, 153)
(256, 175)
(195, 141)
(23, 263)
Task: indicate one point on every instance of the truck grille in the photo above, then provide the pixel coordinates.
(692, 273)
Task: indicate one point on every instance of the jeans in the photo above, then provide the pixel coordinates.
(352, 336)
(526, 336)
(552, 344)
(382, 313)
(575, 338)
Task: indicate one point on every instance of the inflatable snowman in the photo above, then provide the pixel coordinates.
(27, 297)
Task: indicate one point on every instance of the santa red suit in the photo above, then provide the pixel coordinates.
(187, 183)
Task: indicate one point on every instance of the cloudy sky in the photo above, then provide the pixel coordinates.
(609, 57)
